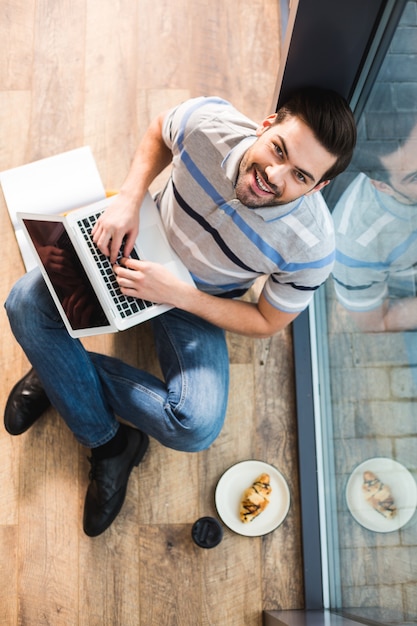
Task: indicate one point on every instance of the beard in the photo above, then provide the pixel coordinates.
(246, 195)
(246, 185)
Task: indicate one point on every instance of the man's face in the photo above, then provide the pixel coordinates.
(402, 168)
(285, 163)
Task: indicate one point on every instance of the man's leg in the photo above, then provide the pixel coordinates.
(185, 411)
(61, 362)
(71, 383)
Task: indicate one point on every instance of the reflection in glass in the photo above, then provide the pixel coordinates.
(367, 347)
(66, 274)
(376, 233)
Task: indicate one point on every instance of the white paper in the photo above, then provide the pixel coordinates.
(53, 185)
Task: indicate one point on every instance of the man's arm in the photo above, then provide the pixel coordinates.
(153, 282)
(122, 217)
(245, 318)
(393, 315)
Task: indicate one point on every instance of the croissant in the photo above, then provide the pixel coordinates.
(255, 499)
(378, 495)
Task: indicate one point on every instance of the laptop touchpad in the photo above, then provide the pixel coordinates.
(154, 246)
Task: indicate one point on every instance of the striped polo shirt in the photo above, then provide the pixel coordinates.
(376, 240)
(226, 245)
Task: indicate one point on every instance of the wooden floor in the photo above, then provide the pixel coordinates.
(95, 72)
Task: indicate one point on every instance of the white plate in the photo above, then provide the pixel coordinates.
(403, 488)
(229, 492)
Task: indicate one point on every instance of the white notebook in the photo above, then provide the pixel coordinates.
(50, 186)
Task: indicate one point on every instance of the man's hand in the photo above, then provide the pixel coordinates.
(153, 282)
(59, 266)
(394, 315)
(77, 307)
(147, 280)
(119, 220)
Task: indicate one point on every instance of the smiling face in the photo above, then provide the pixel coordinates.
(285, 163)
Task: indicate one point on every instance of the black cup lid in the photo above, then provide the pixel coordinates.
(207, 532)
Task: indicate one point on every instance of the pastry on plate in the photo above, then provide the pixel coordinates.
(255, 499)
(378, 495)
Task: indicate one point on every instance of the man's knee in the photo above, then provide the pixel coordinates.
(28, 296)
(199, 431)
(18, 298)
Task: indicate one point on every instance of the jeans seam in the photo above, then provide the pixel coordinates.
(184, 380)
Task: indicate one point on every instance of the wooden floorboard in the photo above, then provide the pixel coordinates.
(95, 73)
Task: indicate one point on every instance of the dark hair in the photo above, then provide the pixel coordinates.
(331, 120)
(393, 134)
(367, 158)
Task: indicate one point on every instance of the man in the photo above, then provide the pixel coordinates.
(241, 202)
(375, 272)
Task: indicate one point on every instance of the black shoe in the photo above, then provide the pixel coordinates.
(107, 489)
(26, 403)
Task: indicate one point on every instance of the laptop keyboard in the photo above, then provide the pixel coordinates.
(126, 305)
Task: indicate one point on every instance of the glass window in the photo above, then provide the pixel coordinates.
(366, 323)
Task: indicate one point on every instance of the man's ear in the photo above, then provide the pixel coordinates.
(318, 187)
(381, 186)
(267, 123)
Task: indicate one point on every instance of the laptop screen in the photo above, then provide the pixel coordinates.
(67, 275)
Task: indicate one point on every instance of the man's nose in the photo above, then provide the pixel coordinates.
(277, 174)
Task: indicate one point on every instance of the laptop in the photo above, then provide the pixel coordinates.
(81, 279)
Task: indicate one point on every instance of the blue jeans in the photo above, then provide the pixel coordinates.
(185, 411)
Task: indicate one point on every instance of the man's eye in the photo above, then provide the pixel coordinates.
(300, 177)
(278, 150)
